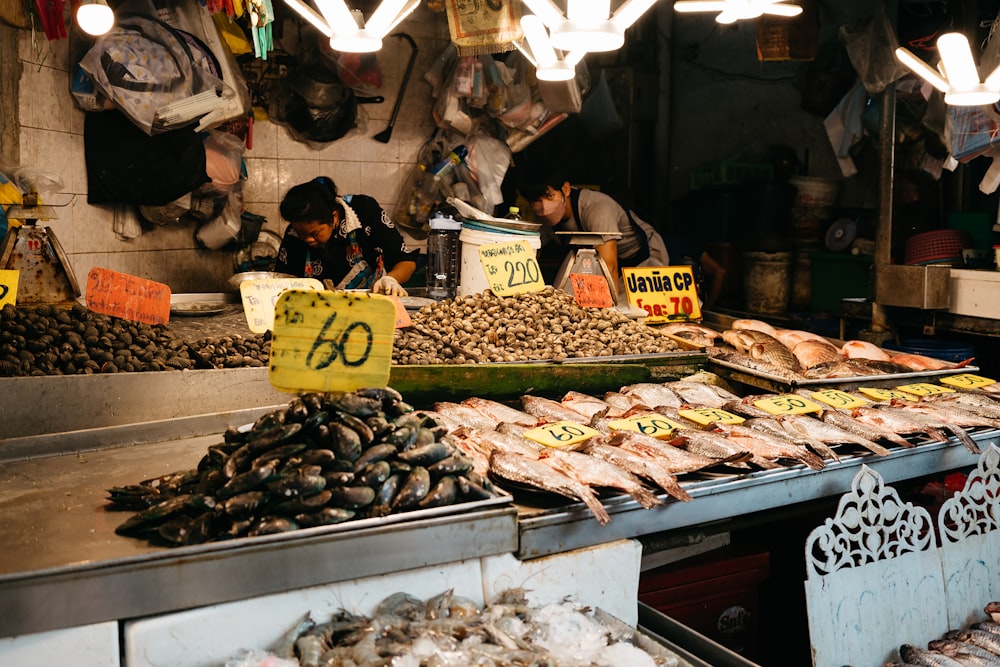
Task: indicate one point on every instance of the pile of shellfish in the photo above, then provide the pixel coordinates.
(539, 326)
(323, 459)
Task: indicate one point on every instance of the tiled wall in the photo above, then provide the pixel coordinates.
(52, 142)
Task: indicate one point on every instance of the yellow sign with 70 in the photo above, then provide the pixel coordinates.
(666, 293)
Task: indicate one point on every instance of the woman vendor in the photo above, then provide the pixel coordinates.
(346, 242)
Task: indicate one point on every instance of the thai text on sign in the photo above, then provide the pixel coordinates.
(511, 268)
(128, 297)
(666, 293)
(260, 296)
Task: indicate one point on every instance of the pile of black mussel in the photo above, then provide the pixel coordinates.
(324, 459)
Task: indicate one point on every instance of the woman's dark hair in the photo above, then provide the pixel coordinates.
(312, 200)
(535, 177)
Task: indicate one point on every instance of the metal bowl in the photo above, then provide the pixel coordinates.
(237, 278)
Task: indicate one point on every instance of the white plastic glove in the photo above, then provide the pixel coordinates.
(389, 286)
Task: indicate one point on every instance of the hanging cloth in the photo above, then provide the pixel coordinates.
(482, 28)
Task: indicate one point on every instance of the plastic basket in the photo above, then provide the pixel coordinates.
(939, 246)
(729, 173)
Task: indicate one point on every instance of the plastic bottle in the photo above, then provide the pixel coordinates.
(514, 213)
(442, 170)
(443, 256)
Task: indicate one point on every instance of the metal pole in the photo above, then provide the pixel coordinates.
(883, 232)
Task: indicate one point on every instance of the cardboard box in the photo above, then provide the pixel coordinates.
(975, 293)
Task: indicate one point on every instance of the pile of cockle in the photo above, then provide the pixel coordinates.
(451, 631)
(323, 459)
(545, 325)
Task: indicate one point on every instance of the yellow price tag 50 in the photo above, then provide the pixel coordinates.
(511, 268)
(331, 341)
(560, 434)
(925, 389)
(880, 394)
(705, 416)
(967, 381)
(788, 404)
(655, 426)
(839, 399)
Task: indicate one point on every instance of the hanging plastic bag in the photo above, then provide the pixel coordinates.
(598, 113)
(488, 160)
(871, 49)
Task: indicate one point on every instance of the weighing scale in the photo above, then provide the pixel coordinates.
(585, 259)
(45, 272)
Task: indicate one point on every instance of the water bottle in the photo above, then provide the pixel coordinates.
(514, 213)
(443, 256)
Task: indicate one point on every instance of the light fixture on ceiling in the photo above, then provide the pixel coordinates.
(588, 24)
(731, 11)
(95, 17)
(347, 29)
(960, 83)
(548, 66)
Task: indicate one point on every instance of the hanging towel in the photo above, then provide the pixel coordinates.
(483, 27)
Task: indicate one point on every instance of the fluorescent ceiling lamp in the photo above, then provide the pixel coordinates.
(347, 29)
(960, 80)
(588, 24)
(731, 11)
(95, 17)
(548, 66)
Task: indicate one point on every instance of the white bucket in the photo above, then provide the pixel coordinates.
(472, 277)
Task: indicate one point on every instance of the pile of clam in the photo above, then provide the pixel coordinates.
(234, 351)
(323, 459)
(540, 326)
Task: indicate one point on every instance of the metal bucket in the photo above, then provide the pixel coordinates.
(766, 281)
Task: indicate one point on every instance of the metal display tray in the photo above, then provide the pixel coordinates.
(780, 383)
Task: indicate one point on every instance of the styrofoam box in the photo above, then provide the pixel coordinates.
(975, 293)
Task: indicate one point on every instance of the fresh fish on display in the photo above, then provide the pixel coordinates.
(589, 406)
(450, 424)
(827, 432)
(744, 407)
(597, 473)
(753, 325)
(792, 337)
(869, 431)
(695, 334)
(677, 460)
(465, 415)
(888, 417)
(766, 446)
(993, 609)
(845, 368)
(920, 362)
(716, 446)
(745, 360)
(488, 441)
(773, 427)
(981, 638)
(510, 428)
(548, 410)
(644, 467)
(653, 395)
(947, 419)
(702, 393)
(811, 353)
(499, 412)
(532, 472)
(964, 416)
(915, 655)
(982, 404)
(622, 403)
(964, 652)
(861, 349)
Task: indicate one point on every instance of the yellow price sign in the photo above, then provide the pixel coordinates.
(706, 416)
(839, 399)
(8, 286)
(561, 434)
(511, 268)
(331, 341)
(880, 394)
(260, 296)
(653, 425)
(788, 404)
(925, 389)
(666, 293)
(967, 381)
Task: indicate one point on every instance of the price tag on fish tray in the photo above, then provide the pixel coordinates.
(561, 434)
(706, 416)
(839, 399)
(331, 341)
(788, 404)
(925, 389)
(511, 268)
(880, 394)
(656, 426)
(967, 381)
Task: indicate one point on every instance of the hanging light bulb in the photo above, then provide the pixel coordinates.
(347, 29)
(731, 11)
(95, 17)
(548, 66)
(959, 80)
(588, 24)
